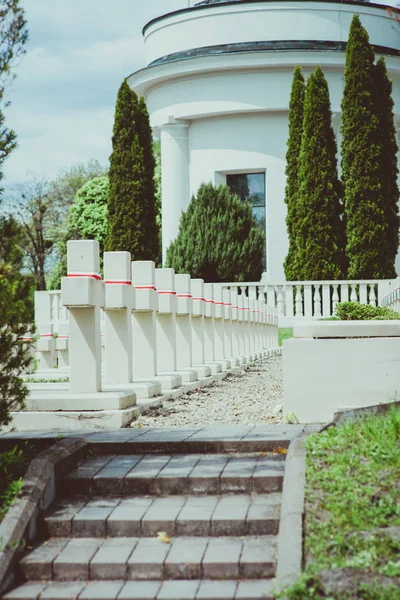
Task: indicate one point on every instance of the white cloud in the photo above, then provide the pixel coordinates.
(63, 99)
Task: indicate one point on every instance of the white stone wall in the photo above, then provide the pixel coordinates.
(221, 113)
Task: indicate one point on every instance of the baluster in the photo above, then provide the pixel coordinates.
(353, 295)
(299, 302)
(317, 301)
(243, 290)
(289, 297)
(280, 303)
(261, 295)
(363, 293)
(335, 298)
(372, 295)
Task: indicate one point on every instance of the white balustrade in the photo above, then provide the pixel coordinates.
(295, 301)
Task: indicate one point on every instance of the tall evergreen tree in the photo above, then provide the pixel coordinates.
(320, 253)
(132, 224)
(296, 109)
(388, 168)
(366, 217)
(218, 238)
(151, 230)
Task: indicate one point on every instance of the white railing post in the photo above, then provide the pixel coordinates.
(45, 345)
(220, 353)
(118, 307)
(144, 320)
(209, 342)
(236, 352)
(166, 320)
(82, 292)
(228, 328)
(242, 328)
(197, 291)
(183, 322)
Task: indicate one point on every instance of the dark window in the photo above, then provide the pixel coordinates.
(251, 187)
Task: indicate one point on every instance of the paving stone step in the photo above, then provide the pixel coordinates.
(110, 475)
(145, 590)
(221, 558)
(212, 439)
(144, 516)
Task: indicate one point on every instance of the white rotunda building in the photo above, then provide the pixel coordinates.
(217, 84)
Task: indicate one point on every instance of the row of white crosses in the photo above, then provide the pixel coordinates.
(157, 323)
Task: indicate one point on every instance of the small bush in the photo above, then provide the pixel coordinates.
(354, 311)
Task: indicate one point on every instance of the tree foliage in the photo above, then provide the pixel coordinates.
(16, 316)
(366, 213)
(88, 220)
(218, 238)
(132, 212)
(296, 111)
(13, 36)
(320, 248)
(14, 297)
(388, 166)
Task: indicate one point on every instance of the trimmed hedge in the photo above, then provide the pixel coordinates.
(354, 311)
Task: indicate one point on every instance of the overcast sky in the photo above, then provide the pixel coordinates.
(63, 99)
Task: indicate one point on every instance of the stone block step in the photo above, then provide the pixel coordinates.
(160, 475)
(98, 559)
(145, 590)
(144, 516)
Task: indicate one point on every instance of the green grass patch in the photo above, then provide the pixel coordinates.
(13, 465)
(352, 526)
(285, 333)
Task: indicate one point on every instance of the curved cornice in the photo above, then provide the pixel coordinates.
(229, 2)
(269, 46)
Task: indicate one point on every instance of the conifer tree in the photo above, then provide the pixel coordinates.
(218, 238)
(132, 224)
(366, 217)
(296, 107)
(388, 167)
(319, 225)
(150, 228)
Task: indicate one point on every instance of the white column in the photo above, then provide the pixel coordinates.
(119, 303)
(144, 320)
(82, 292)
(45, 345)
(174, 179)
(166, 320)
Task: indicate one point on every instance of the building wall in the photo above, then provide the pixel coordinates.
(219, 100)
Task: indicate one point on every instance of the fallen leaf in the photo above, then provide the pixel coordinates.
(163, 537)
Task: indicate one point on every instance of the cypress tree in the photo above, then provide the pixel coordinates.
(218, 238)
(296, 108)
(364, 205)
(388, 167)
(150, 228)
(132, 224)
(319, 226)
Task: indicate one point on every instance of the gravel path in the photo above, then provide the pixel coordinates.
(252, 396)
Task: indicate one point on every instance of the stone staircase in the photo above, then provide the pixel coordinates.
(161, 526)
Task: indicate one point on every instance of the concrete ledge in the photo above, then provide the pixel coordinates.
(20, 524)
(351, 414)
(56, 400)
(345, 329)
(290, 538)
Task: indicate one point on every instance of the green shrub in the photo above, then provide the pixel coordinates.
(218, 238)
(354, 311)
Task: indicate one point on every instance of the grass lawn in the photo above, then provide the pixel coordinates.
(352, 527)
(285, 333)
